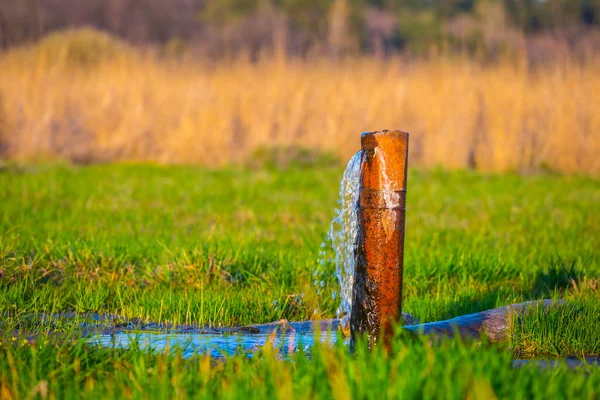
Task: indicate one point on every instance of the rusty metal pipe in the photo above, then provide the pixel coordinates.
(377, 291)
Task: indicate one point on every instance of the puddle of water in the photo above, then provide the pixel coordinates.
(112, 331)
(215, 345)
(220, 346)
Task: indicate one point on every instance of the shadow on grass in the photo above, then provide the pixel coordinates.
(558, 277)
(471, 304)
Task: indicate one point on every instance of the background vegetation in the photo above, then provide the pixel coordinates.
(88, 97)
(506, 85)
(333, 27)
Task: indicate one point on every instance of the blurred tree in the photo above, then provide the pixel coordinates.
(419, 31)
(223, 11)
(308, 22)
(539, 15)
(590, 12)
(339, 41)
(302, 26)
(449, 8)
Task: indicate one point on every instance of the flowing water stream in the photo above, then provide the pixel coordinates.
(342, 234)
(302, 335)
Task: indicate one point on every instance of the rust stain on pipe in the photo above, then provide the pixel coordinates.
(377, 291)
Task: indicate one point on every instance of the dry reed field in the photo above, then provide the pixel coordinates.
(88, 98)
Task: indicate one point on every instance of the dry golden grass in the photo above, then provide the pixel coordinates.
(128, 106)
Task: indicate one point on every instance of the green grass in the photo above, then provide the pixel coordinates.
(411, 370)
(236, 246)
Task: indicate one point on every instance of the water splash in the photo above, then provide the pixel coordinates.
(342, 234)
